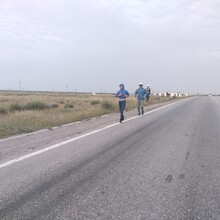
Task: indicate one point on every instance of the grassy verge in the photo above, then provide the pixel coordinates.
(28, 112)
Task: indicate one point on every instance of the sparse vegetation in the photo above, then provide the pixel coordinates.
(16, 107)
(36, 105)
(108, 105)
(3, 111)
(95, 102)
(27, 112)
(68, 105)
(54, 105)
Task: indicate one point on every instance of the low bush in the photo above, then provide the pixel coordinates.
(69, 105)
(95, 102)
(36, 105)
(3, 111)
(16, 107)
(54, 105)
(4, 100)
(107, 105)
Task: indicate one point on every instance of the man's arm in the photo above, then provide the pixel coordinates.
(127, 93)
(136, 92)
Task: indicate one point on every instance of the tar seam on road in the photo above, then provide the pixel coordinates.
(10, 162)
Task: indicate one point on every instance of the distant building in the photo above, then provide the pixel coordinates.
(170, 94)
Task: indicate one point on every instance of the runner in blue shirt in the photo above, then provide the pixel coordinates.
(141, 94)
(122, 94)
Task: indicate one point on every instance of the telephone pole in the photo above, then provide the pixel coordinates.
(19, 85)
(67, 88)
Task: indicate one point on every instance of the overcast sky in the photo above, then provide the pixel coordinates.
(173, 45)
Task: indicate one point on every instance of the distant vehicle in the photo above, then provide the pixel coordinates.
(210, 94)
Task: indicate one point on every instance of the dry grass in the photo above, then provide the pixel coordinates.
(27, 112)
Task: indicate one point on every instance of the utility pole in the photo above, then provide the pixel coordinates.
(19, 85)
(67, 88)
(101, 88)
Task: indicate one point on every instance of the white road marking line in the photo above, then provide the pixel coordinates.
(8, 163)
(36, 132)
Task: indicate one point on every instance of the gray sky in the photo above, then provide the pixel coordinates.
(172, 45)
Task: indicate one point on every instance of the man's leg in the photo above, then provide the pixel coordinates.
(123, 109)
(138, 107)
(147, 98)
(120, 108)
(142, 106)
(123, 104)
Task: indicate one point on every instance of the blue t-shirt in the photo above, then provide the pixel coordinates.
(140, 93)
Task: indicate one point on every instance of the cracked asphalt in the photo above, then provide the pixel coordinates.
(160, 166)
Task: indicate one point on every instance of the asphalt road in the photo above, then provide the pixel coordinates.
(164, 165)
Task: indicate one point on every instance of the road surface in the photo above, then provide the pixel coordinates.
(164, 165)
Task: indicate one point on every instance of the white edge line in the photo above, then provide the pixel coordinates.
(36, 132)
(10, 162)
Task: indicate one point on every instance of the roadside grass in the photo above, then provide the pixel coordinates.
(28, 112)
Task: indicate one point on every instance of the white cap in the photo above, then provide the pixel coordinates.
(140, 84)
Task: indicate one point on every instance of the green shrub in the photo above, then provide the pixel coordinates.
(16, 107)
(69, 105)
(37, 105)
(54, 105)
(3, 111)
(95, 102)
(107, 105)
(4, 100)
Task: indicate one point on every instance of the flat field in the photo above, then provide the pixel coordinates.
(24, 112)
